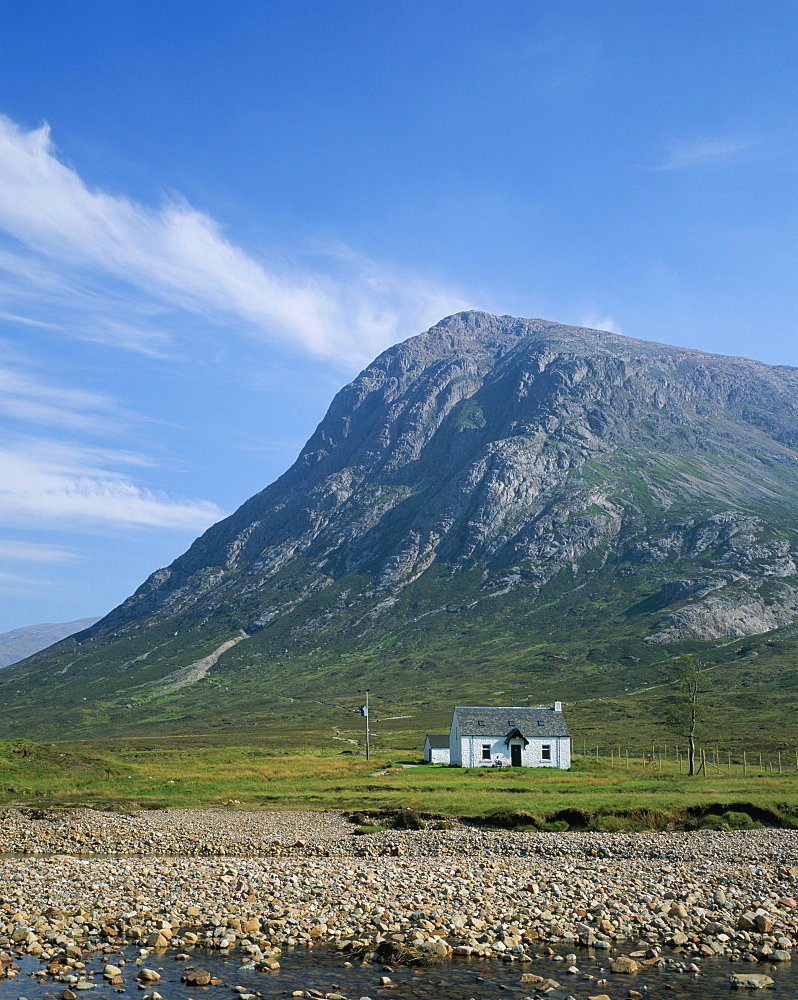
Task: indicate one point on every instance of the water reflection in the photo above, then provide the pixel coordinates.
(320, 972)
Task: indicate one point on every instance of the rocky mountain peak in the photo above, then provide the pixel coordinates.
(502, 443)
(500, 466)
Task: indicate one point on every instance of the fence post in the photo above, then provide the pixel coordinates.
(745, 764)
(779, 761)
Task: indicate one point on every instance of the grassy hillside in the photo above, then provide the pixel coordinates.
(580, 642)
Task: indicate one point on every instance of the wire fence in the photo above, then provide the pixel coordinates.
(708, 760)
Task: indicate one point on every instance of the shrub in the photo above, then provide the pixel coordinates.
(408, 819)
(361, 831)
(740, 821)
(713, 823)
(652, 819)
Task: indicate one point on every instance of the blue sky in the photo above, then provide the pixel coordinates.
(212, 215)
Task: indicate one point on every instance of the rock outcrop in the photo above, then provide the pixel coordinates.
(513, 446)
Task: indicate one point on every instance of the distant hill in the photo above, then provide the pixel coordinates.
(24, 642)
(499, 510)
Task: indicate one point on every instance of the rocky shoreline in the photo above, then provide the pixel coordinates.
(93, 882)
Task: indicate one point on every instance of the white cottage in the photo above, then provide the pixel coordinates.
(521, 737)
(436, 749)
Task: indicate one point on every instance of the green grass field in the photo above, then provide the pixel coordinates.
(195, 772)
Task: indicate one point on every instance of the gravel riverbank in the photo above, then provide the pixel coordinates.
(263, 882)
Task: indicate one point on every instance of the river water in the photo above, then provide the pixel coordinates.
(322, 970)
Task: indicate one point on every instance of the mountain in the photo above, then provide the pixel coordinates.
(22, 642)
(497, 508)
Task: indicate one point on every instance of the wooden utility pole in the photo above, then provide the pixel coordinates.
(368, 733)
(364, 711)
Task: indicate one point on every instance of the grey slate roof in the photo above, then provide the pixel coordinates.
(438, 742)
(499, 721)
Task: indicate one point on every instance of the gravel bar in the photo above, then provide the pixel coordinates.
(75, 882)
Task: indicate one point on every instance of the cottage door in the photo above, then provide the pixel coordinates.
(515, 753)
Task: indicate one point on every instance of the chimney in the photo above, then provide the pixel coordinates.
(558, 706)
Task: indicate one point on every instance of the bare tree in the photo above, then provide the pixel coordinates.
(686, 711)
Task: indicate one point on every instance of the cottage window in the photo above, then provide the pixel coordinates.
(545, 751)
(486, 751)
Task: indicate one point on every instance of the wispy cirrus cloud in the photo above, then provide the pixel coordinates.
(47, 483)
(27, 398)
(101, 255)
(15, 583)
(47, 480)
(11, 549)
(682, 154)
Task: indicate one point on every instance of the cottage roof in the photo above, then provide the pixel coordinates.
(438, 742)
(533, 723)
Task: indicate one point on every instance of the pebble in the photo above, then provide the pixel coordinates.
(260, 882)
